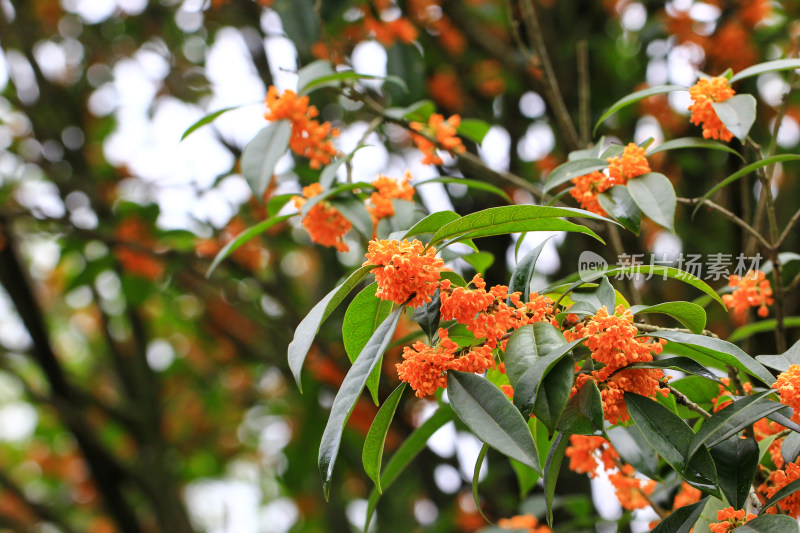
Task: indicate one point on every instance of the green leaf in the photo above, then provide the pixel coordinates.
(335, 79)
(512, 219)
(406, 453)
(344, 187)
(372, 454)
(682, 519)
(655, 196)
(527, 476)
(472, 184)
(718, 349)
(768, 66)
(262, 154)
(242, 238)
(619, 205)
(732, 419)
(431, 223)
(570, 170)
(634, 449)
(736, 461)
(743, 172)
(690, 315)
(790, 447)
(475, 480)
(348, 395)
(311, 72)
(551, 468)
(583, 414)
(491, 417)
(748, 330)
(480, 261)
(428, 315)
(363, 316)
(474, 129)
(633, 98)
(276, 203)
(353, 210)
(523, 273)
(309, 326)
(684, 364)
(693, 142)
(770, 523)
(208, 119)
(738, 113)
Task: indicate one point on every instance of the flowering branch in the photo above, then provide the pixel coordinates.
(684, 400)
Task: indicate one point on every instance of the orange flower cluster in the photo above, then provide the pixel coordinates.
(324, 223)
(387, 189)
(704, 93)
(630, 164)
(486, 314)
(587, 188)
(686, 495)
(730, 519)
(428, 13)
(488, 76)
(582, 453)
(613, 342)
(779, 479)
(526, 522)
(310, 138)
(764, 428)
(136, 259)
(400, 29)
(445, 89)
(408, 272)
(723, 400)
(751, 290)
(630, 490)
(788, 387)
(425, 367)
(444, 131)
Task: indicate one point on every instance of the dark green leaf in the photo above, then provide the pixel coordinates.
(736, 461)
(491, 417)
(428, 315)
(738, 113)
(208, 119)
(472, 184)
(474, 129)
(748, 330)
(583, 414)
(620, 206)
(770, 523)
(570, 170)
(655, 196)
(523, 273)
(682, 519)
(372, 454)
(348, 395)
(768, 66)
(634, 449)
(690, 315)
(790, 447)
(693, 142)
(262, 154)
(635, 97)
(480, 261)
(551, 468)
(242, 238)
(476, 479)
(431, 223)
(684, 364)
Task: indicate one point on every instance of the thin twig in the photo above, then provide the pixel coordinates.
(730, 216)
(684, 400)
(647, 328)
(584, 93)
(788, 229)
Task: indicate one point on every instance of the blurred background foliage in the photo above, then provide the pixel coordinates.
(137, 395)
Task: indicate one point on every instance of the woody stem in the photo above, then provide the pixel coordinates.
(682, 399)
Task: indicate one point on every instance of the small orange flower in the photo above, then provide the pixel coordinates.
(788, 386)
(587, 188)
(779, 479)
(630, 164)
(724, 399)
(582, 453)
(309, 138)
(630, 492)
(508, 390)
(704, 93)
(527, 523)
(444, 131)
(751, 290)
(324, 223)
(387, 189)
(445, 89)
(687, 495)
(729, 519)
(136, 257)
(406, 273)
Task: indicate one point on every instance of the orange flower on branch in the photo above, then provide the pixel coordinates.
(751, 290)
(687, 495)
(324, 223)
(137, 256)
(444, 131)
(704, 93)
(779, 479)
(788, 387)
(630, 490)
(387, 189)
(583, 453)
(309, 138)
(587, 188)
(630, 164)
(526, 522)
(407, 272)
(730, 519)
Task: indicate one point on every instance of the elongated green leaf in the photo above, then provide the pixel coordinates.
(431, 223)
(655, 196)
(348, 395)
(583, 414)
(619, 205)
(732, 419)
(480, 261)
(334, 80)
(406, 453)
(635, 97)
(262, 154)
(523, 273)
(736, 461)
(748, 330)
(276, 203)
(682, 519)
(511, 219)
(690, 315)
(242, 238)
(551, 469)
(476, 480)
(354, 210)
(309, 326)
(527, 476)
(722, 351)
(313, 71)
(372, 454)
(208, 119)
(745, 171)
(738, 113)
(572, 169)
(488, 413)
(684, 364)
(634, 449)
(768, 66)
(790, 447)
(474, 129)
(472, 184)
(693, 142)
(419, 111)
(428, 315)
(770, 523)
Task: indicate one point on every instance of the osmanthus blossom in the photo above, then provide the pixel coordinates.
(324, 223)
(408, 273)
(387, 189)
(527, 523)
(788, 387)
(631, 491)
(704, 93)
(776, 481)
(751, 290)
(444, 131)
(730, 519)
